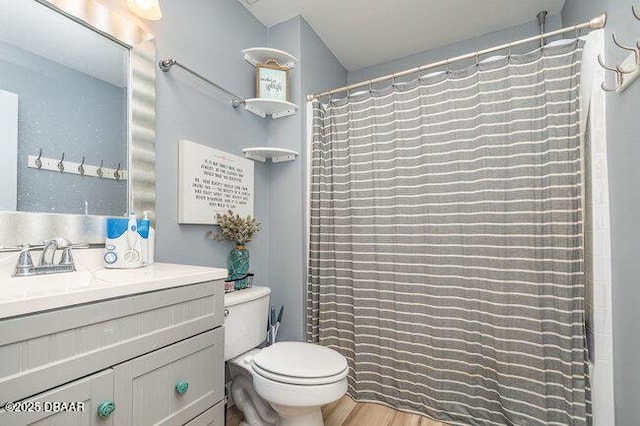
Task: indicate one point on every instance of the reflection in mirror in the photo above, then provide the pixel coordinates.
(129, 48)
(63, 91)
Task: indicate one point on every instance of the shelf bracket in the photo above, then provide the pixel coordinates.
(256, 111)
(284, 113)
(256, 157)
(283, 158)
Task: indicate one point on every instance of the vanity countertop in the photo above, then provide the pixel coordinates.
(91, 283)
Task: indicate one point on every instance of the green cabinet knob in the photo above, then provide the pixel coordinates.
(106, 408)
(182, 387)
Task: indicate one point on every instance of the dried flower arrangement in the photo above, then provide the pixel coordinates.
(236, 228)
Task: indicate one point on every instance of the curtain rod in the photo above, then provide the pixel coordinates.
(594, 24)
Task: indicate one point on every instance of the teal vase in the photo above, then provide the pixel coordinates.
(238, 265)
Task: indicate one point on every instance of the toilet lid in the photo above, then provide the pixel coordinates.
(289, 361)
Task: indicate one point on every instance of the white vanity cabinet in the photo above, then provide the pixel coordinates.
(154, 358)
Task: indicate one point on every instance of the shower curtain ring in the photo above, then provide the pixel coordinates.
(477, 58)
(509, 51)
(329, 99)
(447, 65)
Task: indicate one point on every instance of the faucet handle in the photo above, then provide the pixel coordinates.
(25, 262)
(66, 258)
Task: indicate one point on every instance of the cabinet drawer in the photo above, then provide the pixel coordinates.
(148, 390)
(214, 416)
(89, 393)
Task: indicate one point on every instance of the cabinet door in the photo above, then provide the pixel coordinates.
(171, 385)
(84, 395)
(214, 416)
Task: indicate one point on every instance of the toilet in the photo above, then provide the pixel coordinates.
(284, 384)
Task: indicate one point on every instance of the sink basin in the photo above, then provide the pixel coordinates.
(43, 285)
(25, 295)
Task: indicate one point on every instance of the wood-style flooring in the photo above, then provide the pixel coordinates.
(346, 412)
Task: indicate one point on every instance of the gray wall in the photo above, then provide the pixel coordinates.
(317, 68)
(456, 49)
(320, 69)
(623, 153)
(284, 194)
(63, 110)
(207, 36)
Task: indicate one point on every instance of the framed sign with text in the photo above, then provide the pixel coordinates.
(272, 81)
(211, 181)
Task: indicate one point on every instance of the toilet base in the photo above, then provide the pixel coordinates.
(313, 418)
(256, 411)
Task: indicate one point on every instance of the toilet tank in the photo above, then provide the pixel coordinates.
(245, 322)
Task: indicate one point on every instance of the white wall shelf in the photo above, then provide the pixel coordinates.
(277, 155)
(272, 107)
(260, 55)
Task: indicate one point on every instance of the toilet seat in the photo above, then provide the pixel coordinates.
(299, 363)
(292, 380)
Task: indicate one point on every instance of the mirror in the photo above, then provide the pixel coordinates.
(77, 120)
(64, 87)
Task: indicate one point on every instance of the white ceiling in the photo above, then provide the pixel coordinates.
(367, 32)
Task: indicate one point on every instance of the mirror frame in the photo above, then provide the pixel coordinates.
(17, 228)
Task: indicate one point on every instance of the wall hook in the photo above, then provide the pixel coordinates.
(81, 167)
(116, 174)
(61, 163)
(635, 49)
(99, 172)
(39, 159)
(619, 75)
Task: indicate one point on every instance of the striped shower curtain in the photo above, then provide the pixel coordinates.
(446, 245)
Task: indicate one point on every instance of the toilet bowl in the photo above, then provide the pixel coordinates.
(284, 384)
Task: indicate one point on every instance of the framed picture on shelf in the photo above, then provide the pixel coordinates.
(272, 81)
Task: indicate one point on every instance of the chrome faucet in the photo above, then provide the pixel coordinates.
(48, 252)
(25, 266)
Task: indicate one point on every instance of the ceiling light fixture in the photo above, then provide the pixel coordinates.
(147, 9)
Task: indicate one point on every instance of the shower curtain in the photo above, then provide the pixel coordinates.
(446, 244)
